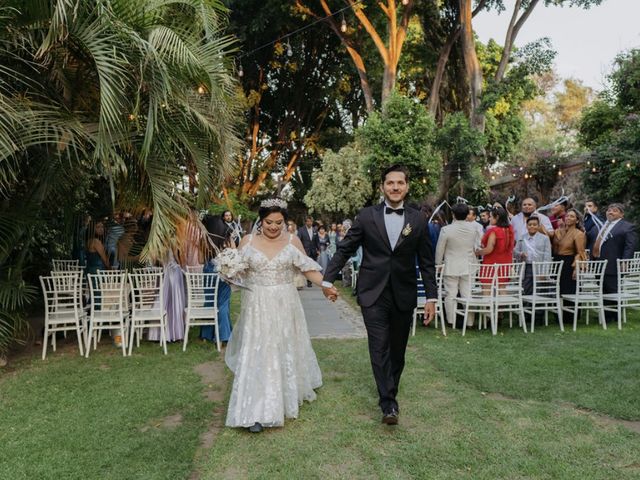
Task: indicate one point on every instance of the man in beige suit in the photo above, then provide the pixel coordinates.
(455, 249)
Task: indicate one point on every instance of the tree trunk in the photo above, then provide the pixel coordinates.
(512, 32)
(434, 95)
(388, 81)
(472, 65)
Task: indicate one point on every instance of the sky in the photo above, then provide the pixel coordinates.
(587, 41)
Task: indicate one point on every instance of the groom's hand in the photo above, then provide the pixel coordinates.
(429, 312)
(331, 293)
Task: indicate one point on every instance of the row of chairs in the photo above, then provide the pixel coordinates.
(498, 288)
(130, 302)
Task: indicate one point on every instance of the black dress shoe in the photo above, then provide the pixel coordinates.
(256, 428)
(390, 417)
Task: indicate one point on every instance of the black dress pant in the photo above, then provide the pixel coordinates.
(388, 329)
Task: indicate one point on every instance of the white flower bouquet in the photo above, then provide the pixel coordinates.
(231, 265)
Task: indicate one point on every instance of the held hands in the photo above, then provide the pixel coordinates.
(331, 293)
(429, 313)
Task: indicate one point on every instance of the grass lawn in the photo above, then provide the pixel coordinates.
(544, 405)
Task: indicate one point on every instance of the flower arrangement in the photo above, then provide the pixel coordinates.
(231, 264)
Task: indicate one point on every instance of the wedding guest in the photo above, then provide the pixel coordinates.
(617, 239)
(323, 247)
(558, 213)
(97, 258)
(473, 218)
(309, 238)
(498, 241)
(333, 234)
(433, 226)
(485, 219)
(569, 243)
(593, 222)
(221, 237)
(532, 247)
(527, 209)
(114, 232)
(233, 226)
(455, 250)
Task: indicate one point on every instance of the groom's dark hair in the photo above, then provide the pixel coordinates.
(395, 168)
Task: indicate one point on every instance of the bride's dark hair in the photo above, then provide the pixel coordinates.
(264, 212)
(272, 207)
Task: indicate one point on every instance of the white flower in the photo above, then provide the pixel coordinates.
(406, 230)
(230, 263)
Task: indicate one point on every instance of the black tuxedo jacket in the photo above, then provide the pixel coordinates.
(310, 245)
(621, 243)
(382, 265)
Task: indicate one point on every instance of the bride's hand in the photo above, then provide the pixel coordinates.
(331, 293)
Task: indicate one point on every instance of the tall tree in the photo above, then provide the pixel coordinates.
(391, 18)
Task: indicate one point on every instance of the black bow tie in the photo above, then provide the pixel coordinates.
(399, 211)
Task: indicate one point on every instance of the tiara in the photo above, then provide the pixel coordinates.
(273, 202)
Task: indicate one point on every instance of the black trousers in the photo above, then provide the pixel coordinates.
(388, 332)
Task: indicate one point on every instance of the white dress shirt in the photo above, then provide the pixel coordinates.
(393, 224)
(519, 224)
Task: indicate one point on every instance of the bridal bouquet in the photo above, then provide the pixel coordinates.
(231, 266)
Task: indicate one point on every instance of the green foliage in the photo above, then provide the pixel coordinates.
(239, 207)
(403, 133)
(625, 80)
(611, 130)
(340, 186)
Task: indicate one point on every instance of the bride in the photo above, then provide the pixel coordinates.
(270, 352)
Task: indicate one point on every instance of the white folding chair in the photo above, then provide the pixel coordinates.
(508, 293)
(546, 292)
(422, 301)
(148, 270)
(628, 295)
(58, 265)
(482, 280)
(202, 303)
(194, 268)
(108, 306)
(147, 307)
(636, 255)
(62, 309)
(588, 296)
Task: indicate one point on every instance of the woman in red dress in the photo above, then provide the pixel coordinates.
(498, 241)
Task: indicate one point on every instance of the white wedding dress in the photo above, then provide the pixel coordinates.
(270, 352)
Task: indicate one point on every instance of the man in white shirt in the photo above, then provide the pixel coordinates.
(519, 221)
(473, 218)
(456, 249)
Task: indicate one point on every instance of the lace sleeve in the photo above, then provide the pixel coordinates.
(304, 263)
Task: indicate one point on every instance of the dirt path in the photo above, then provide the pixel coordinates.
(214, 378)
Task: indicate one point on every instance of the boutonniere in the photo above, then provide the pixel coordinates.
(406, 230)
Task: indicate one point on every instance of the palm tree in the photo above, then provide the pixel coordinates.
(136, 91)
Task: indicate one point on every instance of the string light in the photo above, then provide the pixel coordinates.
(424, 180)
(613, 160)
(289, 50)
(628, 164)
(526, 176)
(201, 90)
(240, 71)
(405, 2)
(593, 169)
(559, 173)
(343, 25)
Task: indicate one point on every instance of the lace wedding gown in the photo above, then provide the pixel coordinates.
(270, 351)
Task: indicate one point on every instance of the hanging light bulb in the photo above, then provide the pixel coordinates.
(628, 164)
(559, 173)
(343, 25)
(289, 50)
(240, 71)
(200, 89)
(405, 2)
(613, 160)
(593, 169)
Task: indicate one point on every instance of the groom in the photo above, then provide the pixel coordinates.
(392, 237)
